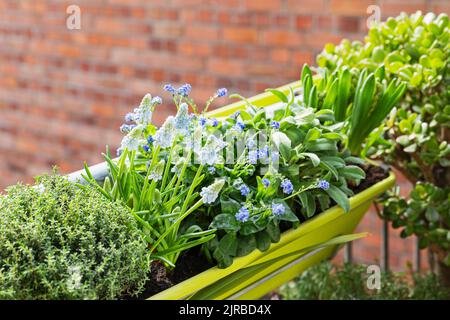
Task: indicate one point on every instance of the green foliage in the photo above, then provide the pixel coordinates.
(60, 242)
(326, 281)
(160, 199)
(279, 165)
(415, 139)
(362, 107)
(425, 214)
(306, 148)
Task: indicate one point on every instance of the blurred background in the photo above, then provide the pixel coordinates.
(63, 92)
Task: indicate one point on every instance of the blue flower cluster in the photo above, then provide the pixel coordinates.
(253, 156)
(265, 182)
(125, 128)
(278, 209)
(324, 185)
(244, 189)
(275, 124)
(184, 90)
(242, 215)
(287, 186)
(214, 122)
(222, 92)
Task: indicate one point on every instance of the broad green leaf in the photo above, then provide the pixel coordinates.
(309, 203)
(226, 222)
(337, 195)
(262, 240)
(279, 94)
(314, 158)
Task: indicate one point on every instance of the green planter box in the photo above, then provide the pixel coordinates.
(249, 278)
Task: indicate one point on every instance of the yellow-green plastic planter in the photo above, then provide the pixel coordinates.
(248, 277)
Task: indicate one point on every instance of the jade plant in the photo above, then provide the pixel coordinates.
(415, 50)
(60, 242)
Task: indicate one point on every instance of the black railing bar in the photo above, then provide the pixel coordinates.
(348, 253)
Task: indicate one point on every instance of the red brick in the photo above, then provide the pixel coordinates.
(282, 38)
(202, 32)
(390, 8)
(350, 7)
(348, 24)
(265, 5)
(280, 55)
(307, 6)
(243, 35)
(303, 22)
(225, 67)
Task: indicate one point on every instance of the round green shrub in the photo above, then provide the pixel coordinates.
(58, 241)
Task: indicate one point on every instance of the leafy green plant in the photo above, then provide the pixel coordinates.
(227, 183)
(326, 281)
(426, 214)
(414, 139)
(296, 168)
(160, 185)
(362, 108)
(60, 242)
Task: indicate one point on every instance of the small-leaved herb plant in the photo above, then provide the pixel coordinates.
(60, 242)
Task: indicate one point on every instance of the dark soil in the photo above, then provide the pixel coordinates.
(374, 174)
(192, 262)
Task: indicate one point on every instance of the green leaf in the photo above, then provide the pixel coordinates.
(274, 231)
(307, 84)
(246, 244)
(223, 260)
(225, 222)
(432, 214)
(313, 134)
(354, 160)
(249, 227)
(353, 173)
(245, 115)
(313, 99)
(332, 136)
(288, 214)
(228, 244)
(263, 240)
(308, 203)
(321, 144)
(340, 107)
(306, 71)
(314, 158)
(336, 162)
(339, 196)
(229, 205)
(330, 168)
(283, 144)
(330, 98)
(279, 94)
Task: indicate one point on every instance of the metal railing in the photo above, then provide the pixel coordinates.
(384, 247)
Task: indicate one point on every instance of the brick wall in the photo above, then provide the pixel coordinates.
(63, 92)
